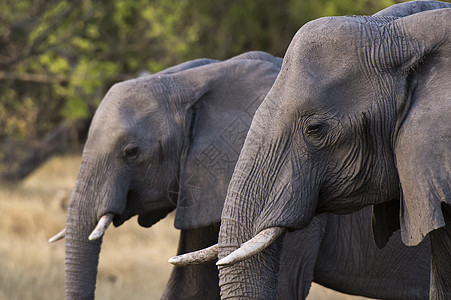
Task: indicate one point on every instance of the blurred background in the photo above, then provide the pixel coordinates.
(57, 60)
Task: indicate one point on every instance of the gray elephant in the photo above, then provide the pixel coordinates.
(359, 115)
(159, 142)
(137, 161)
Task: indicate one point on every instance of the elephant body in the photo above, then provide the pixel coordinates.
(349, 261)
(358, 116)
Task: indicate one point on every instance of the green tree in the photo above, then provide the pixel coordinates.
(58, 58)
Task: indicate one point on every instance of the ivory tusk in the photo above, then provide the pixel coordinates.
(60, 235)
(255, 245)
(102, 225)
(196, 257)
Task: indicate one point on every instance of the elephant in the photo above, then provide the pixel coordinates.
(358, 116)
(160, 142)
(178, 118)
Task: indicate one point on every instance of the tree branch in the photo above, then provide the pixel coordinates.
(56, 141)
(40, 78)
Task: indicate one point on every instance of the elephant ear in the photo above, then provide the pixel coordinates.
(228, 94)
(147, 219)
(385, 218)
(187, 65)
(423, 143)
(385, 221)
(260, 55)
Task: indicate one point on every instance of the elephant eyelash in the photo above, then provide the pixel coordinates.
(160, 152)
(193, 123)
(131, 152)
(314, 129)
(320, 134)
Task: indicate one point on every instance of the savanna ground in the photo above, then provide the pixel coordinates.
(133, 262)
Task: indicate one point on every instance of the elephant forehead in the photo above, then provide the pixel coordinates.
(303, 95)
(322, 47)
(348, 91)
(134, 96)
(103, 136)
(111, 128)
(321, 63)
(126, 126)
(131, 102)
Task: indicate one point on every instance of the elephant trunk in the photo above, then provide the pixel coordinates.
(252, 278)
(82, 255)
(266, 195)
(96, 199)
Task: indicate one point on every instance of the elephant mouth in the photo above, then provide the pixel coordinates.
(151, 217)
(145, 218)
(120, 219)
(96, 234)
(149, 212)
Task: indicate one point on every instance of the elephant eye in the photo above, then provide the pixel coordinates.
(314, 129)
(131, 152)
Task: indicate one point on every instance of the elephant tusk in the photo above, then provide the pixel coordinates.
(60, 235)
(255, 245)
(103, 224)
(196, 257)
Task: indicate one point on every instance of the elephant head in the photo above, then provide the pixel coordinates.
(157, 143)
(358, 116)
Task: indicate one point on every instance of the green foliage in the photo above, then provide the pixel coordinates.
(58, 58)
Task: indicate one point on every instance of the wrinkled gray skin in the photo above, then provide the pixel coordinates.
(159, 142)
(335, 251)
(338, 252)
(131, 111)
(359, 115)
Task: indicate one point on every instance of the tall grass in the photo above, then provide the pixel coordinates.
(133, 261)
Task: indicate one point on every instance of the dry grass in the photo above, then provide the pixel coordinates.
(133, 261)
